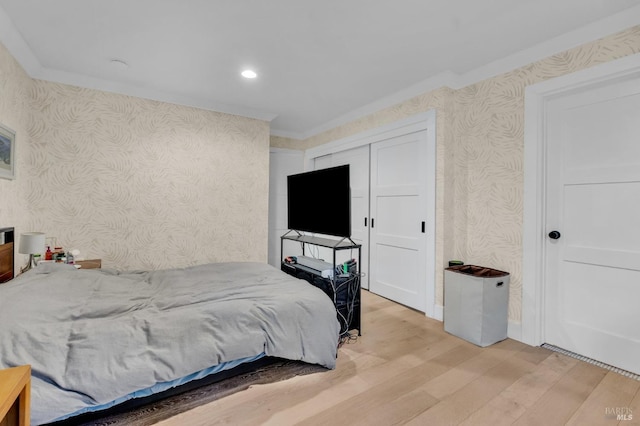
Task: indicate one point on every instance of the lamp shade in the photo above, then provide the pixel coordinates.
(31, 243)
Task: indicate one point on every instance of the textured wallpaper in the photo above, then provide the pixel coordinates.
(15, 86)
(138, 183)
(480, 137)
(144, 184)
(489, 130)
(285, 143)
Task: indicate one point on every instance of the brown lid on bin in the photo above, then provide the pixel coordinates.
(477, 271)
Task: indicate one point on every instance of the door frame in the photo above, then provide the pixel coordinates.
(537, 97)
(277, 214)
(415, 123)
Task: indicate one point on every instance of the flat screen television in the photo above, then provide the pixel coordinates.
(320, 201)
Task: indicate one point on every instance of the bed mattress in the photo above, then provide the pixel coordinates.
(98, 337)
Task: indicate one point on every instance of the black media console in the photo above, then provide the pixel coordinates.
(342, 284)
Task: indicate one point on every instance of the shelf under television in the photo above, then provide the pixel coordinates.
(340, 243)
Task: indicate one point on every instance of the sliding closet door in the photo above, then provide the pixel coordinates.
(398, 241)
(358, 161)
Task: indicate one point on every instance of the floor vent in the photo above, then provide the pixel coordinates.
(592, 361)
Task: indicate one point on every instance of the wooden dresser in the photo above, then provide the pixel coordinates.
(15, 396)
(6, 254)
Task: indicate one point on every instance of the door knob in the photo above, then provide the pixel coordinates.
(554, 235)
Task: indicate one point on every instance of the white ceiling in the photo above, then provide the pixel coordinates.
(319, 63)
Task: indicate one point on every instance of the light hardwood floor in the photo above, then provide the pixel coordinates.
(405, 369)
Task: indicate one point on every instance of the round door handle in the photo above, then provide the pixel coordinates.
(554, 235)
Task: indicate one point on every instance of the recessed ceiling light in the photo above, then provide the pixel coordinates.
(249, 74)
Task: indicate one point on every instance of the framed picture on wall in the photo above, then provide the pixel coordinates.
(7, 153)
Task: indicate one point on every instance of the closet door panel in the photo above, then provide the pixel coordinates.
(398, 206)
(396, 218)
(358, 161)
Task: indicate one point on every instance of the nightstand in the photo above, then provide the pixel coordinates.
(15, 396)
(6, 254)
(89, 264)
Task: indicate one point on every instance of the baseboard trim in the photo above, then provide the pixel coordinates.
(438, 312)
(514, 330)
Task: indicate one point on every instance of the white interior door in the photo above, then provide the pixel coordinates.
(398, 208)
(592, 274)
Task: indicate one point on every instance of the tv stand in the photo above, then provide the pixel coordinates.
(342, 287)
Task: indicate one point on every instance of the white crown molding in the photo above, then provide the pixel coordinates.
(19, 48)
(150, 93)
(591, 32)
(448, 79)
(13, 41)
(585, 34)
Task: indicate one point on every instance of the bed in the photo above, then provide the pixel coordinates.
(98, 338)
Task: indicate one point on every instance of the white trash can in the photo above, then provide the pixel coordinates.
(476, 302)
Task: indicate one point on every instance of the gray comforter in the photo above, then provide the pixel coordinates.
(94, 336)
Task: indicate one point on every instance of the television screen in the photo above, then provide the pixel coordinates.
(320, 201)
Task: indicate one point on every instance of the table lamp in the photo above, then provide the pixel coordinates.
(31, 243)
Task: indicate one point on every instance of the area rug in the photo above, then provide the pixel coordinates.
(163, 409)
